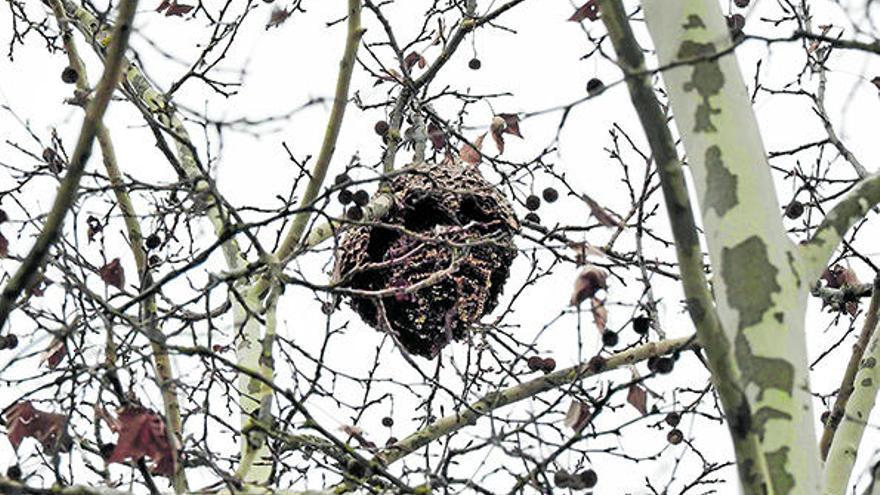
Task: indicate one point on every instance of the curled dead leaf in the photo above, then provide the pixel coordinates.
(578, 415)
(277, 17)
(142, 433)
(471, 154)
(600, 313)
(437, 136)
(589, 10)
(113, 274)
(172, 8)
(591, 280)
(504, 123)
(94, 227)
(584, 249)
(414, 59)
(50, 429)
(601, 214)
(638, 398)
(839, 276)
(54, 354)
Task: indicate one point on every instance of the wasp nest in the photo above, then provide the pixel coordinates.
(438, 261)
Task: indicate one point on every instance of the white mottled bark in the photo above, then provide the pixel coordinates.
(845, 446)
(759, 287)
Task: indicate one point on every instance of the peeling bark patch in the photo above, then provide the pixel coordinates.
(783, 481)
(720, 183)
(706, 79)
(750, 278)
(253, 386)
(741, 418)
(764, 372)
(850, 210)
(792, 263)
(765, 414)
(694, 22)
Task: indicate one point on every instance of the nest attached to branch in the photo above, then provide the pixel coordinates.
(436, 263)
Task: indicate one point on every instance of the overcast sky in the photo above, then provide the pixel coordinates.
(540, 66)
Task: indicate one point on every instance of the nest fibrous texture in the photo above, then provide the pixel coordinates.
(439, 260)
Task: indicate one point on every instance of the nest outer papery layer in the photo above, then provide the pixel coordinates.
(437, 262)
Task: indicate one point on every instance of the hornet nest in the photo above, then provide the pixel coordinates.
(436, 262)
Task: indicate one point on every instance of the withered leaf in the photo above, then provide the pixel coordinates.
(95, 227)
(4, 246)
(497, 129)
(584, 249)
(504, 123)
(437, 136)
(56, 164)
(638, 398)
(601, 213)
(142, 433)
(54, 354)
(172, 8)
(590, 281)
(113, 274)
(178, 10)
(852, 307)
(839, 276)
(511, 121)
(278, 17)
(414, 58)
(50, 429)
(600, 314)
(578, 415)
(470, 154)
(391, 75)
(589, 10)
(351, 430)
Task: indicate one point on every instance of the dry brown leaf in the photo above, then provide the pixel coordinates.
(54, 354)
(113, 274)
(584, 249)
(601, 213)
(590, 281)
(600, 314)
(578, 415)
(50, 429)
(839, 276)
(414, 58)
(589, 10)
(638, 398)
(142, 434)
(278, 17)
(437, 136)
(471, 154)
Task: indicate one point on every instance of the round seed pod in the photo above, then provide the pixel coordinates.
(440, 266)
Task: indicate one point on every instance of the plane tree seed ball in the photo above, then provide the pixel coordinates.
(69, 75)
(533, 202)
